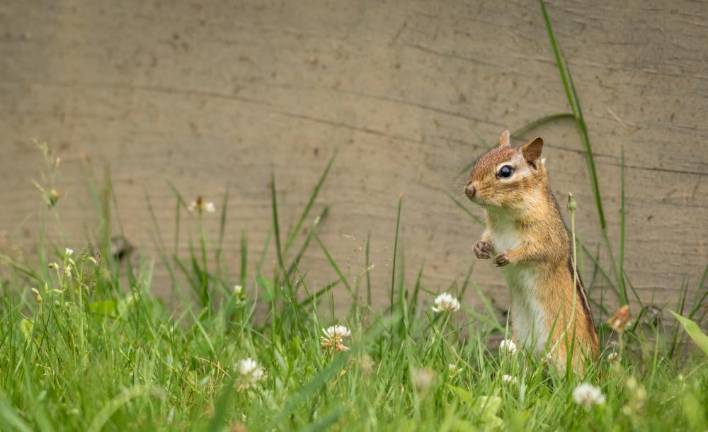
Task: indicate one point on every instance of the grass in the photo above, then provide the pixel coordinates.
(86, 345)
(93, 349)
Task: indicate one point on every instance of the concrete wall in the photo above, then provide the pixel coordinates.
(210, 94)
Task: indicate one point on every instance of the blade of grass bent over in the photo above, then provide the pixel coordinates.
(693, 331)
(520, 132)
(474, 217)
(334, 265)
(574, 102)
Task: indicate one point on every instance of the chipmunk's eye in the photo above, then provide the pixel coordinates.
(505, 171)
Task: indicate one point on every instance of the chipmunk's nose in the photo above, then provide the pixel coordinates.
(470, 191)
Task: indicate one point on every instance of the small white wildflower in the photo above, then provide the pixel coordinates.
(508, 379)
(507, 346)
(446, 303)
(68, 251)
(238, 290)
(334, 337)
(422, 378)
(588, 395)
(453, 369)
(251, 372)
(613, 356)
(200, 206)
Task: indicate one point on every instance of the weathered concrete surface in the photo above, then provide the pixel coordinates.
(210, 94)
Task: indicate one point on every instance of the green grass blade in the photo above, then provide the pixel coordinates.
(301, 252)
(620, 273)
(264, 252)
(395, 252)
(367, 261)
(309, 389)
(276, 231)
(574, 103)
(222, 228)
(244, 260)
(181, 203)
(693, 331)
(413, 302)
(701, 289)
(535, 124)
(334, 265)
(466, 282)
(313, 196)
(114, 405)
(311, 298)
(478, 220)
(325, 421)
(217, 423)
(8, 414)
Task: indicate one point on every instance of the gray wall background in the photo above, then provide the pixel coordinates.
(217, 93)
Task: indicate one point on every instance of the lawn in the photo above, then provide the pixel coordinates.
(85, 344)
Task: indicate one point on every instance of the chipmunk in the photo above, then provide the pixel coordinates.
(529, 241)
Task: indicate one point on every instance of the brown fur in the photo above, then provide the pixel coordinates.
(524, 205)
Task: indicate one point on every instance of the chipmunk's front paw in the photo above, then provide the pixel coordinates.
(483, 250)
(501, 260)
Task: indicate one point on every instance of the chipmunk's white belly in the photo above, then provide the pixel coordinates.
(528, 320)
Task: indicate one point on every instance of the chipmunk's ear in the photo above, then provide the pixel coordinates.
(505, 139)
(532, 150)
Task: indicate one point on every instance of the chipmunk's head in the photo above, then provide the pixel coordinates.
(507, 176)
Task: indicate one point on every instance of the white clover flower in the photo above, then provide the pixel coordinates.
(507, 346)
(508, 379)
(453, 369)
(200, 206)
(446, 303)
(334, 337)
(251, 372)
(68, 251)
(588, 395)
